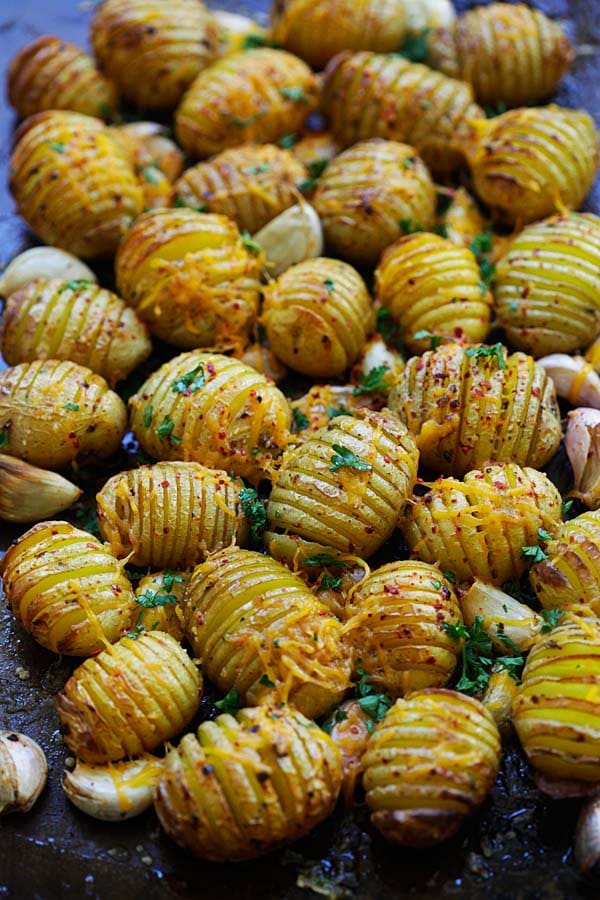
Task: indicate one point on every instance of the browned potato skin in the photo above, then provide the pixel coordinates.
(250, 185)
(247, 785)
(76, 320)
(152, 49)
(54, 412)
(50, 73)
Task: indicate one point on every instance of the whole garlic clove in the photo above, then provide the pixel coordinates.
(116, 791)
(502, 616)
(291, 237)
(582, 443)
(575, 379)
(498, 699)
(23, 772)
(29, 494)
(43, 262)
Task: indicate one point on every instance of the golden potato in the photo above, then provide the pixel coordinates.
(156, 146)
(345, 486)
(153, 50)
(317, 316)
(486, 526)
(191, 278)
(171, 514)
(508, 53)
(254, 96)
(66, 589)
(130, 698)
(322, 403)
(250, 185)
(158, 599)
(555, 710)
(209, 408)
(546, 289)
(88, 215)
(390, 97)
(430, 285)
(395, 622)
(470, 405)
(258, 629)
(368, 195)
(54, 412)
(76, 320)
(248, 784)
(50, 73)
(429, 764)
(463, 219)
(531, 163)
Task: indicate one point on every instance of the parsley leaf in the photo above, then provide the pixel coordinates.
(165, 430)
(191, 382)
(414, 47)
(338, 715)
(334, 411)
(389, 330)
(544, 535)
(288, 141)
(72, 406)
(242, 123)
(325, 560)
(250, 42)
(330, 285)
(450, 576)
(151, 175)
(476, 656)
(254, 511)
(170, 578)
(294, 93)
(533, 554)
(230, 702)
(567, 507)
(480, 246)
(552, 618)
(74, 285)
(316, 167)
(343, 458)
(57, 146)
(300, 420)
(492, 111)
(330, 583)
(373, 702)
(266, 681)
(373, 382)
(496, 351)
(150, 599)
(148, 416)
(4, 436)
(259, 169)
(434, 339)
(250, 244)
(410, 227)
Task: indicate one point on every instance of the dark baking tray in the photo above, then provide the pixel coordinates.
(519, 848)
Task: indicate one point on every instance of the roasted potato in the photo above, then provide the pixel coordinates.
(158, 599)
(315, 150)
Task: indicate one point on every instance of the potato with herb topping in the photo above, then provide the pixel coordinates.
(158, 598)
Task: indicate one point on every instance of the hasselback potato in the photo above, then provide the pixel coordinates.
(481, 527)
(66, 589)
(88, 215)
(259, 630)
(531, 163)
(209, 408)
(255, 96)
(152, 49)
(368, 195)
(429, 764)
(546, 289)
(50, 73)
(157, 606)
(248, 784)
(53, 412)
(76, 320)
(345, 486)
(389, 97)
(570, 576)
(466, 406)
(130, 698)
(396, 617)
(317, 316)
(190, 277)
(555, 710)
(428, 284)
(508, 53)
(171, 514)
(250, 185)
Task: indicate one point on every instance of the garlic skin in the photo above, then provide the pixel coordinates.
(502, 615)
(30, 494)
(582, 443)
(291, 237)
(43, 262)
(113, 792)
(23, 772)
(574, 377)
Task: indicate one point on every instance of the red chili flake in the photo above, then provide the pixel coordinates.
(164, 484)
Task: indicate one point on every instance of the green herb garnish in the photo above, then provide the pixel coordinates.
(389, 330)
(73, 406)
(57, 146)
(250, 244)
(330, 583)
(414, 47)
(191, 382)
(410, 227)
(434, 339)
(373, 382)
(552, 618)
(533, 554)
(255, 512)
(300, 420)
(170, 578)
(294, 93)
(334, 411)
(476, 656)
(343, 458)
(325, 561)
(230, 703)
(151, 599)
(373, 702)
(148, 416)
(251, 42)
(330, 285)
(151, 175)
(165, 430)
(496, 351)
(288, 141)
(266, 681)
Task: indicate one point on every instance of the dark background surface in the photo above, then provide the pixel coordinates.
(519, 848)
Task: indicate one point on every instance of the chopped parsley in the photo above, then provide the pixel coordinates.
(165, 430)
(496, 351)
(334, 411)
(330, 285)
(492, 111)
(373, 382)
(74, 285)
(544, 535)
(151, 174)
(230, 703)
(4, 436)
(343, 458)
(250, 244)
(533, 554)
(338, 715)
(325, 561)
(170, 578)
(255, 512)
(408, 163)
(414, 47)
(330, 583)
(567, 507)
(266, 681)
(151, 599)
(389, 330)
(476, 656)
(148, 416)
(434, 339)
(73, 406)
(300, 420)
(191, 382)
(450, 576)
(373, 702)
(480, 247)
(552, 618)
(259, 169)
(57, 146)
(410, 227)
(251, 42)
(316, 167)
(243, 123)
(296, 94)
(288, 141)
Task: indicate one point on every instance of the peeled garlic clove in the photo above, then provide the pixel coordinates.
(29, 494)
(502, 615)
(43, 262)
(498, 699)
(575, 379)
(23, 772)
(291, 237)
(582, 443)
(116, 791)
(375, 355)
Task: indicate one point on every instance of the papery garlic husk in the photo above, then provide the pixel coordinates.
(502, 615)
(116, 791)
(582, 443)
(23, 772)
(30, 494)
(575, 379)
(498, 698)
(291, 237)
(43, 262)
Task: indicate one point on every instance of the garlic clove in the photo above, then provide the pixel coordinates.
(587, 838)
(116, 791)
(23, 772)
(498, 699)
(43, 262)
(264, 360)
(575, 379)
(502, 616)
(582, 443)
(291, 237)
(29, 494)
